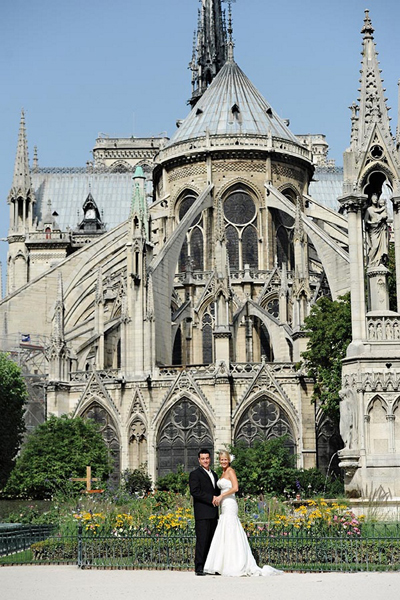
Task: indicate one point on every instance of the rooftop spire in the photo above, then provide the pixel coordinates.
(367, 29)
(231, 44)
(372, 108)
(21, 185)
(210, 53)
(139, 203)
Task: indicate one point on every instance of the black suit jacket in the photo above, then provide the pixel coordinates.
(203, 492)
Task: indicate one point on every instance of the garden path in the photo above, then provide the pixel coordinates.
(70, 583)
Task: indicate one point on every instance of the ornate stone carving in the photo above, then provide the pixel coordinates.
(377, 232)
(348, 418)
(187, 171)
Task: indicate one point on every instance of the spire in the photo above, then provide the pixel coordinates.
(139, 210)
(35, 159)
(58, 318)
(210, 53)
(371, 141)
(372, 108)
(230, 44)
(21, 184)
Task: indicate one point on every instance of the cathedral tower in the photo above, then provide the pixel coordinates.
(369, 408)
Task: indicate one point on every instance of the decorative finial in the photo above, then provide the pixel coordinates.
(367, 29)
(231, 44)
(35, 158)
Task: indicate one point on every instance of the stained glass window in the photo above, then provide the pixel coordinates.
(109, 433)
(183, 432)
(232, 244)
(250, 247)
(241, 230)
(193, 247)
(264, 420)
(239, 208)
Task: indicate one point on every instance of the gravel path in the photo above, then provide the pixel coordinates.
(71, 583)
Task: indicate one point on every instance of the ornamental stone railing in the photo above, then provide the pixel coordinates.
(51, 236)
(103, 374)
(383, 328)
(236, 142)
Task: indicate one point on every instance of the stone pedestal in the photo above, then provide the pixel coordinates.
(378, 288)
(349, 462)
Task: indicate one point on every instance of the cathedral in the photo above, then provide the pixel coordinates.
(171, 277)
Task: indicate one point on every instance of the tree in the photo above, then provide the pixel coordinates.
(13, 395)
(266, 467)
(59, 449)
(328, 328)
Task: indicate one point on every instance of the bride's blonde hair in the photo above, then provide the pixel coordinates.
(226, 454)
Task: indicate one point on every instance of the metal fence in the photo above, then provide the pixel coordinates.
(378, 548)
(15, 540)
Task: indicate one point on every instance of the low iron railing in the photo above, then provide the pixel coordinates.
(377, 548)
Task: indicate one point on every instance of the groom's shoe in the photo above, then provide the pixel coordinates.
(200, 573)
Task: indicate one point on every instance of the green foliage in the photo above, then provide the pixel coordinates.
(59, 449)
(269, 468)
(13, 396)
(328, 328)
(265, 468)
(174, 482)
(137, 481)
(311, 482)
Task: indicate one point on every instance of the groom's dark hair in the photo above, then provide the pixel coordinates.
(203, 451)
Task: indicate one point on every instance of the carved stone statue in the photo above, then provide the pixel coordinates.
(377, 232)
(348, 417)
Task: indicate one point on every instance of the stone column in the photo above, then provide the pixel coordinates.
(353, 204)
(396, 227)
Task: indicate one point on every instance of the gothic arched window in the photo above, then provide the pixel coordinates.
(241, 230)
(284, 243)
(183, 431)
(109, 434)
(264, 346)
(193, 247)
(207, 327)
(264, 420)
(177, 349)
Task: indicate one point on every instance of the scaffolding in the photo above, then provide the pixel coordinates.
(29, 353)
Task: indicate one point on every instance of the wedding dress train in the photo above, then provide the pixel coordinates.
(230, 553)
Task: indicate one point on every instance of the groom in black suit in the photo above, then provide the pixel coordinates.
(203, 487)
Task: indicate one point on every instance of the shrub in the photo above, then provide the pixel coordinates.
(137, 481)
(174, 482)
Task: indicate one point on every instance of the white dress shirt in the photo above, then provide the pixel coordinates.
(211, 476)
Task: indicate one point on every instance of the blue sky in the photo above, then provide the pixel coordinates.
(83, 67)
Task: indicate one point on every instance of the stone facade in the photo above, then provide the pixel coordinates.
(369, 396)
(181, 325)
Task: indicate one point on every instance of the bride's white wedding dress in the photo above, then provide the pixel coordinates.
(230, 553)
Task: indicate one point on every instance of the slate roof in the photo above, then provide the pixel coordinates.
(69, 189)
(327, 186)
(232, 105)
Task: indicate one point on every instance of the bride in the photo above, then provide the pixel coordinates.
(230, 553)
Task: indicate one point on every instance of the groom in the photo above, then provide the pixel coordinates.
(203, 487)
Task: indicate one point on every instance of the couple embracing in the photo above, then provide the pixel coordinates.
(221, 543)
